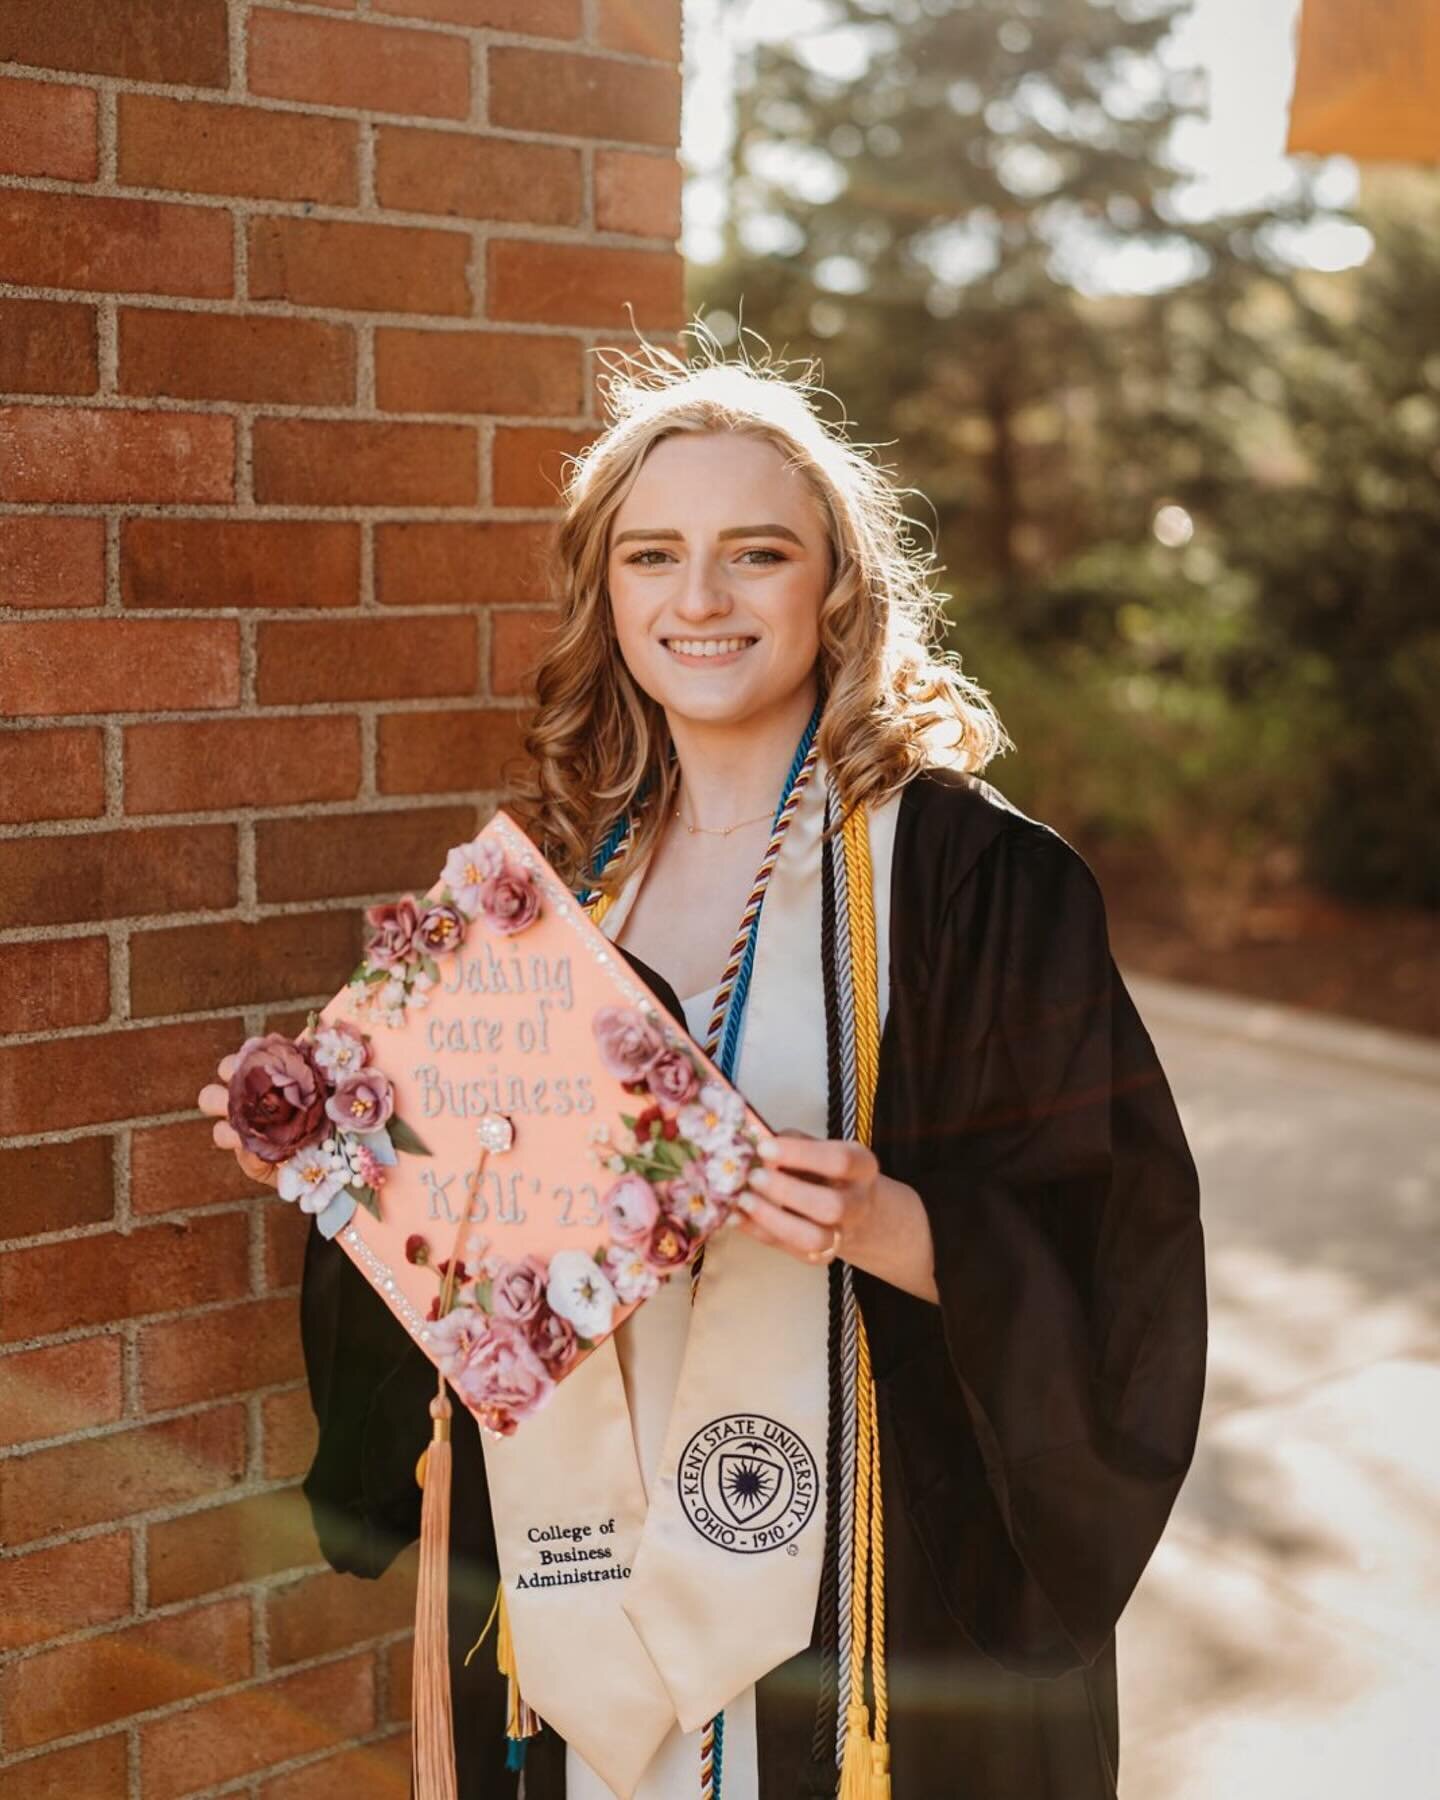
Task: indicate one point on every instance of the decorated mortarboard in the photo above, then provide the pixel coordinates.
(501, 1125)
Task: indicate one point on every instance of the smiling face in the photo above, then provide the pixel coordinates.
(718, 563)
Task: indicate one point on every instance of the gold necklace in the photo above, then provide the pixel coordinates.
(721, 830)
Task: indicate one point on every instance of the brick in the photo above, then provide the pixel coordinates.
(52, 775)
(517, 640)
(207, 764)
(46, 129)
(236, 356)
(345, 462)
(200, 147)
(462, 563)
(239, 562)
(55, 1187)
(47, 347)
(400, 1675)
(59, 1389)
(48, 985)
(365, 268)
(51, 562)
(185, 44)
(365, 659)
(641, 27)
(583, 96)
(243, 1540)
(197, 968)
(365, 853)
(322, 1613)
(579, 284)
(288, 1434)
(236, 1734)
(454, 752)
(123, 1275)
(342, 62)
(539, 18)
(477, 372)
(117, 665)
(65, 1588)
(78, 1687)
(93, 1480)
(528, 463)
(177, 1167)
(287, 1230)
(78, 453)
(216, 1354)
(112, 245)
(116, 874)
(637, 193)
(55, 1084)
(477, 177)
(379, 1771)
(100, 1767)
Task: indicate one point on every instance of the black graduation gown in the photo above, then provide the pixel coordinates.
(1035, 1426)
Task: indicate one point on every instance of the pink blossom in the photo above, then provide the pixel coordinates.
(668, 1246)
(553, 1341)
(277, 1097)
(629, 1272)
(491, 1365)
(509, 901)
(714, 1117)
(689, 1202)
(369, 1168)
(519, 1289)
(631, 1207)
(395, 924)
(628, 1043)
(366, 1102)
(341, 1050)
(441, 930)
(467, 868)
(671, 1078)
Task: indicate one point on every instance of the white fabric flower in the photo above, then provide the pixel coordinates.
(633, 1277)
(727, 1167)
(713, 1118)
(467, 868)
(314, 1176)
(580, 1291)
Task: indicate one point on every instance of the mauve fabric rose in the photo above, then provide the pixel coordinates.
(671, 1078)
(628, 1043)
(631, 1208)
(501, 1375)
(365, 1102)
(553, 1341)
(669, 1246)
(509, 901)
(277, 1097)
(440, 930)
(395, 924)
(518, 1290)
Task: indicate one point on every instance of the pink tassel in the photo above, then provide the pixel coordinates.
(432, 1741)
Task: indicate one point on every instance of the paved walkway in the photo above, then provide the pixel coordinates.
(1285, 1642)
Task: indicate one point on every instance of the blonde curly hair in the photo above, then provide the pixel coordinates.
(599, 748)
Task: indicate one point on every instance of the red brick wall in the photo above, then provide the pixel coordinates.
(294, 309)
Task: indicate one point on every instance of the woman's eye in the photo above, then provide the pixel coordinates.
(640, 556)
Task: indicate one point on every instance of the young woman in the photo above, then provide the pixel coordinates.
(978, 1206)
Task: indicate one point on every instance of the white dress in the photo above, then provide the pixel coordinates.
(651, 1345)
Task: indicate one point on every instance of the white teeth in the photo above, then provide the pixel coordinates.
(707, 646)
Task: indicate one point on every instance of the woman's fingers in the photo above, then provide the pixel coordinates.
(214, 1100)
(227, 1067)
(785, 1230)
(812, 1200)
(223, 1136)
(827, 1159)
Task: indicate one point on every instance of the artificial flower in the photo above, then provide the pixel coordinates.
(668, 1245)
(277, 1097)
(630, 1273)
(553, 1340)
(631, 1208)
(627, 1041)
(509, 901)
(713, 1118)
(467, 868)
(580, 1291)
(518, 1289)
(417, 1249)
(727, 1167)
(314, 1176)
(366, 1102)
(689, 1202)
(671, 1078)
(340, 1050)
(441, 929)
(395, 924)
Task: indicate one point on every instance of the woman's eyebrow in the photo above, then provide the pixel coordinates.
(731, 531)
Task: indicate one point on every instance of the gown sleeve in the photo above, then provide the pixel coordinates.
(1063, 1202)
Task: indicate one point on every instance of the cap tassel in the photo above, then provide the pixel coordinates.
(521, 1720)
(432, 1740)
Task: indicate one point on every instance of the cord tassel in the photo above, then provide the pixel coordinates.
(521, 1720)
(432, 1740)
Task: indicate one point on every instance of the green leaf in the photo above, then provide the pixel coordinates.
(366, 1196)
(405, 1137)
(628, 1121)
(483, 1291)
(431, 967)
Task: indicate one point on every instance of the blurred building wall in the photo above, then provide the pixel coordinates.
(294, 309)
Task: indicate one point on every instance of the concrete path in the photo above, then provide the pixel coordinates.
(1285, 1642)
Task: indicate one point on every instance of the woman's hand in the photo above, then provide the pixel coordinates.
(819, 1198)
(215, 1100)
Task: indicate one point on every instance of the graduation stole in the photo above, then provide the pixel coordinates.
(709, 1603)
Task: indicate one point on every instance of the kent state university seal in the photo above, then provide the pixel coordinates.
(748, 1483)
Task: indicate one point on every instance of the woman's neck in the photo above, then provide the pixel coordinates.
(734, 772)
